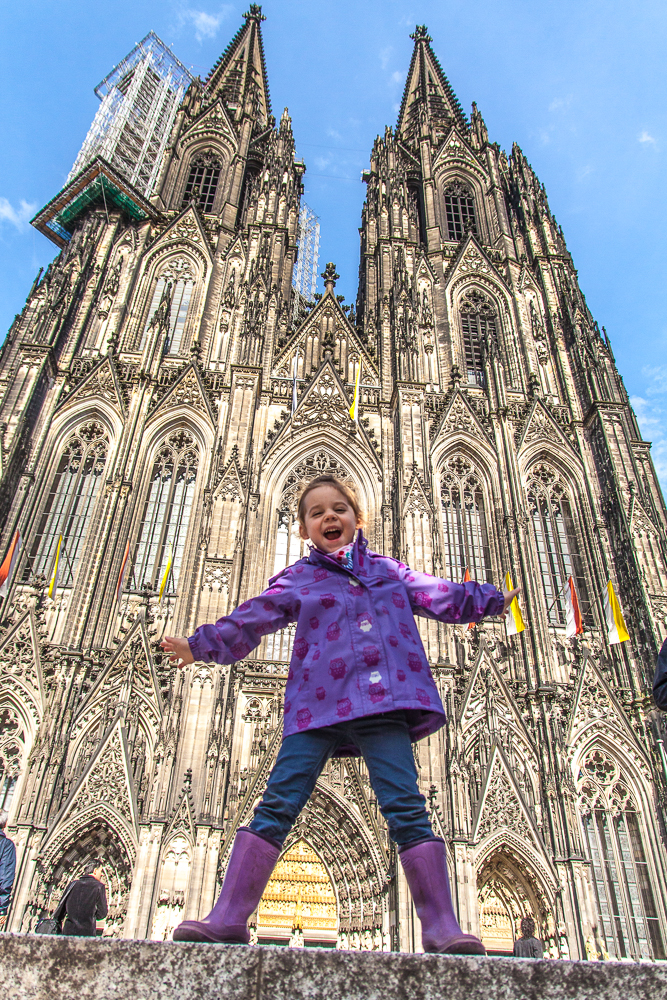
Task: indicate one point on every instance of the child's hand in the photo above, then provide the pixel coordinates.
(179, 648)
(509, 597)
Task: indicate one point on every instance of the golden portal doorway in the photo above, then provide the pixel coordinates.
(299, 902)
(496, 925)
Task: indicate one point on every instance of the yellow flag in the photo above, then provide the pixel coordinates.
(170, 559)
(355, 402)
(514, 620)
(616, 630)
(54, 579)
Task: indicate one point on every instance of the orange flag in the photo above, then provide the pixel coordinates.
(466, 579)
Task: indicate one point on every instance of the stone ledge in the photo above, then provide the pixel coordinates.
(34, 967)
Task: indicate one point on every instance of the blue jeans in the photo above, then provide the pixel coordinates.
(384, 742)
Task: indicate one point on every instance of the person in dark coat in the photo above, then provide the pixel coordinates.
(85, 903)
(528, 946)
(7, 867)
(660, 679)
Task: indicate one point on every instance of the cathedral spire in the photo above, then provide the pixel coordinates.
(239, 75)
(428, 96)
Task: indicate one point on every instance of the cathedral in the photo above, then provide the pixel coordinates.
(164, 393)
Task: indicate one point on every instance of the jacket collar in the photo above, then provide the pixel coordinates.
(358, 553)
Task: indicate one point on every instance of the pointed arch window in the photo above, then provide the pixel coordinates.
(172, 294)
(202, 182)
(628, 917)
(289, 546)
(556, 541)
(459, 209)
(12, 745)
(478, 330)
(69, 504)
(164, 526)
(464, 521)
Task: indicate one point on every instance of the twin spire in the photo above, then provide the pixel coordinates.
(428, 98)
(239, 76)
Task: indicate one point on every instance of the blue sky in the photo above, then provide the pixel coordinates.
(579, 84)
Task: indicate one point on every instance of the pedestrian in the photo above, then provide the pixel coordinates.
(359, 683)
(84, 902)
(660, 679)
(7, 867)
(528, 946)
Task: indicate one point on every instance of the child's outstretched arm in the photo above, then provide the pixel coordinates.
(179, 648)
(237, 634)
(453, 603)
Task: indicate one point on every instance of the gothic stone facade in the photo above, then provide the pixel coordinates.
(146, 394)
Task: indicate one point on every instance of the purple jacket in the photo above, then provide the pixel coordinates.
(357, 650)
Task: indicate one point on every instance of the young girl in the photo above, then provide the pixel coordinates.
(358, 683)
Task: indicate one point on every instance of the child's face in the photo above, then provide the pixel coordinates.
(330, 520)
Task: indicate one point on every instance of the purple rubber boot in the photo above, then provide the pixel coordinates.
(249, 869)
(425, 867)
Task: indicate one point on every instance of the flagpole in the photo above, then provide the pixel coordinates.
(294, 376)
(559, 594)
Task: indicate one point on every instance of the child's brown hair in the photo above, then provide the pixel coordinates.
(326, 479)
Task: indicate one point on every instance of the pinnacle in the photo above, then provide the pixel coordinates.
(428, 95)
(420, 34)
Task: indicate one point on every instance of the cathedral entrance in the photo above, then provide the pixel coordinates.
(66, 861)
(496, 922)
(507, 891)
(299, 904)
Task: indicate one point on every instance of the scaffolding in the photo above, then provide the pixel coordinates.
(304, 278)
(140, 98)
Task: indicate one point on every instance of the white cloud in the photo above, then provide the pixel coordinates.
(584, 171)
(18, 217)
(206, 25)
(560, 103)
(385, 56)
(645, 137)
(398, 76)
(651, 410)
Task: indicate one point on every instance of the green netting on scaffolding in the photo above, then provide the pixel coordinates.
(99, 191)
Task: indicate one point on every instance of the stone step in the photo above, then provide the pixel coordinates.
(34, 967)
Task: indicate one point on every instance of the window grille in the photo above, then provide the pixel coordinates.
(464, 522)
(69, 505)
(478, 330)
(460, 210)
(556, 541)
(180, 277)
(628, 917)
(167, 511)
(202, 181)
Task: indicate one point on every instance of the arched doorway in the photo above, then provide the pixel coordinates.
(66, 859)
(496, 920)
(299, 903)
(507, 890)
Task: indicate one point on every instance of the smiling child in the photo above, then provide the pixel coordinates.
(359, 683)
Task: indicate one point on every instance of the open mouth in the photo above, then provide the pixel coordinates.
(332, 534)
